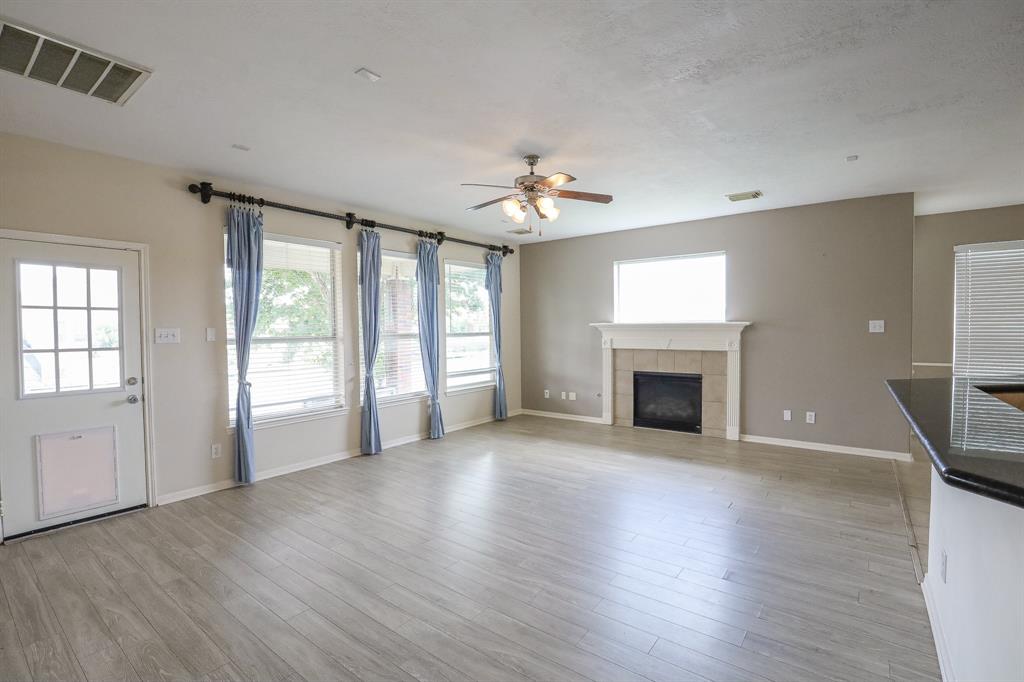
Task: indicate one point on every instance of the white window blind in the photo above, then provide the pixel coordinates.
(469, 345)
(988, 336)
(296, 357)
(675, 289)
(988, 341)
(399, 368)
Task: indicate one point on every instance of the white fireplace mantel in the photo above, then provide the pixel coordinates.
(702, 336)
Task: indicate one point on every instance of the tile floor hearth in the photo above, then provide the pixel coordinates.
(710, 364)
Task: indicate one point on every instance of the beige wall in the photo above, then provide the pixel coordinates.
(934, 239)
(57, 189)
(809, 278)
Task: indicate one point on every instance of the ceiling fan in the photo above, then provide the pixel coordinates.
(536, 191)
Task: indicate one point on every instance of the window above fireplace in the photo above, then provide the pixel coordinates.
(687, 288)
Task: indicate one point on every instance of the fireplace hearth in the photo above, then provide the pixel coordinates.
(664, 400)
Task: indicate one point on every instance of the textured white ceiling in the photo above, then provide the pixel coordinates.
(666, 105)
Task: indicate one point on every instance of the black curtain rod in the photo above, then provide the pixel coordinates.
(206, 192)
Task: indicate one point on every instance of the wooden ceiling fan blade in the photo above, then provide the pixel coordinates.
(489, 203)
(477, 184)
(556, 180)
(585, 196)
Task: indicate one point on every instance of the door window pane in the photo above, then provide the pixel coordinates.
(37, 328)
(103, 288)
(37, 373)
(106, 368)
(72, 329)
(87, 338)
(105, 329)
(36, 285)
(74, 370)
(71, 287)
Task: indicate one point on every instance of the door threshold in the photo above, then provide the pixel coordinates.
(76, 522)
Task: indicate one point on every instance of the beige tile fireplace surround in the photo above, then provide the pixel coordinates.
(710, 364)
(711, 349)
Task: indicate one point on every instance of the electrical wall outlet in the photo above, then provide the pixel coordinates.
(167, 335)
(215, 451)
(876, 326)
(787, 415)
(810, 417)
(211, 333)
(547, 393)
(563, 395)
(572, 395)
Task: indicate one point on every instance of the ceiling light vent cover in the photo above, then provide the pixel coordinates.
(27, 52)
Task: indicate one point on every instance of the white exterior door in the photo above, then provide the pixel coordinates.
(72, 443)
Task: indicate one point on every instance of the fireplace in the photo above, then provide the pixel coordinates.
(663, 400)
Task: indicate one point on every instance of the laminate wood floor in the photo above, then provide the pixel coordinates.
(533, 549)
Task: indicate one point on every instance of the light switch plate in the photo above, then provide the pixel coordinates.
(563, 395)
(168, 335)
(547, 393)
(572, 395)
(787, 415)
(810, 417)
(876, 326)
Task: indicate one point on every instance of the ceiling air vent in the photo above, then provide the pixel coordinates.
(29, 53)
(744, 196)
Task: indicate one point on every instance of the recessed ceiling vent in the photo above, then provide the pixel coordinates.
(744, 196)
(27, 52)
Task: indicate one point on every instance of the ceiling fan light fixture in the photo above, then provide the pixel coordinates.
(552, 213)
(519, 217)
(510, 207)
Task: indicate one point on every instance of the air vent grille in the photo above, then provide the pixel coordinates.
(28, 52)
(745, 196)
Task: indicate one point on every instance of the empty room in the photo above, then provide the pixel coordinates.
(512, 340)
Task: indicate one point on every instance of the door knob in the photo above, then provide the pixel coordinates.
(131, 381)
(132, 399)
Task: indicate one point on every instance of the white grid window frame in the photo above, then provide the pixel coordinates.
(56, 348)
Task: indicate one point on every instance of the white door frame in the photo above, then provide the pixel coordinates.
(147, 375)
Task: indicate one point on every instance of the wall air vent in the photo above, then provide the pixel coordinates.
(744, 196)
(521, 230)
(27, 52)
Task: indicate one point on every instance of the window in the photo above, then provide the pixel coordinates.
(296, 358)
(469, 344)
(69, 319)
(673, 289)
(399, 368)
(988, 327)
(988, 341)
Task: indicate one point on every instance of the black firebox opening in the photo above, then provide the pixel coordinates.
(667, 401)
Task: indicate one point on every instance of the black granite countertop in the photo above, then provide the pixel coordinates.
(975, 440)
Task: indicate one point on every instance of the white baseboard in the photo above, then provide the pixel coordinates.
(562, 415)
(310, 463)
(195, 492)
(305, 464)
(828, 447)
(945, 665)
